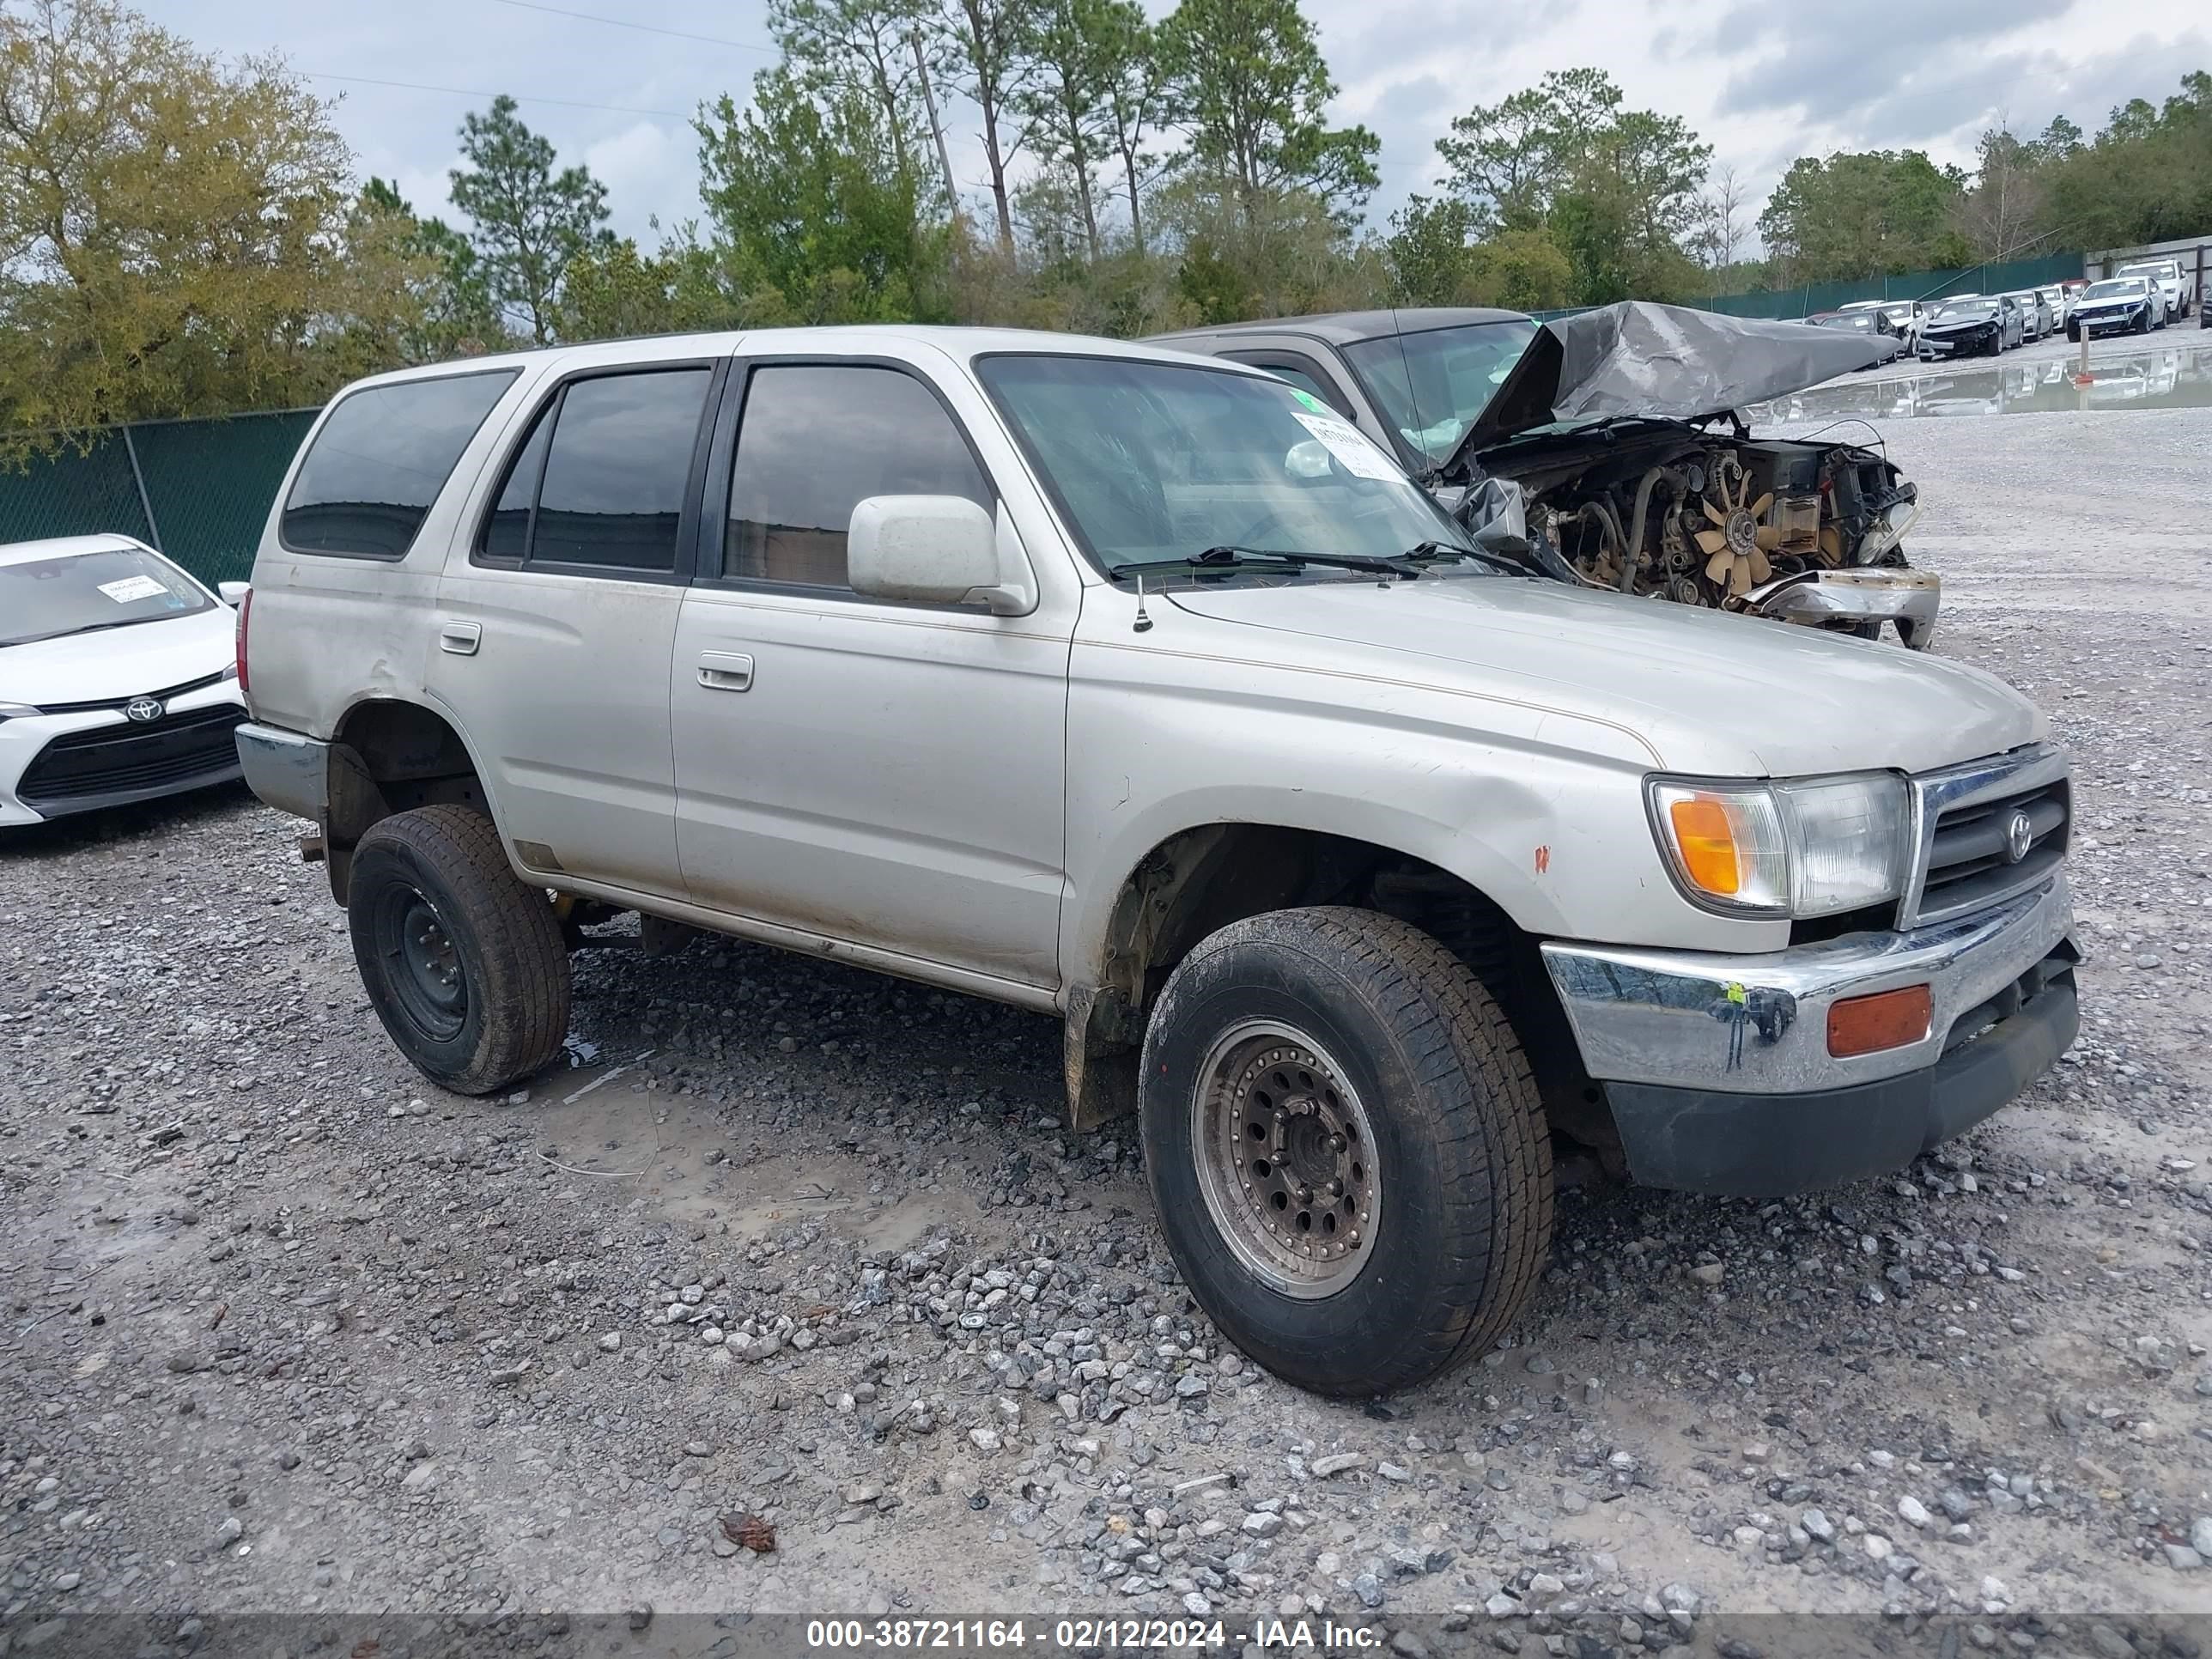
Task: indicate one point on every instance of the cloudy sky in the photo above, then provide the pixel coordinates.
(1761, 81)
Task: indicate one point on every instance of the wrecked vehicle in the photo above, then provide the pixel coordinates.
(1604, 449)
(1132, 688)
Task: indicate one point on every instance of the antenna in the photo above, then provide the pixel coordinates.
(1143, 623)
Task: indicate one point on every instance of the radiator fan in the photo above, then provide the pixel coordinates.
(1736, 546)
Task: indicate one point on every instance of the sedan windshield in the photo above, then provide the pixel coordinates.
(1965, 308)
(79, 592)
(2119, 289)
(1431, 386)
(1863, 321)
(1153, 461)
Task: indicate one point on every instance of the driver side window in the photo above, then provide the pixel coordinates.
(814, 440)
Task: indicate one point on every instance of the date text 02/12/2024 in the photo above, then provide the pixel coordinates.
(954, 1635)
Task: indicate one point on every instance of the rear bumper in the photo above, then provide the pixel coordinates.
(285, 770)
(1717, 1067)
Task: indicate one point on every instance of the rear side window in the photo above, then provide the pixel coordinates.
(814, 442)
(599, 482)
(378, 461)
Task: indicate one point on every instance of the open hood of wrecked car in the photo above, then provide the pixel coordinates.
(1661, 362)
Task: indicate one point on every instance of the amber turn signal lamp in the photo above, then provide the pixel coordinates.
(1707, 839)
(1887, 1019)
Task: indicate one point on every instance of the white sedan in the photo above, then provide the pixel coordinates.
(118, 677)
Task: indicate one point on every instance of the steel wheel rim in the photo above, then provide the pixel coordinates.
(1274, 1121)
(423, 967)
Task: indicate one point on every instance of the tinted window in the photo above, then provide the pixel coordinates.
(507, 529)
(1300, 378)
(616, 469)
(814, 443)
(380, 461)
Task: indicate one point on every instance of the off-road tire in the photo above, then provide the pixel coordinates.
(1462, 1154)
(513, 967)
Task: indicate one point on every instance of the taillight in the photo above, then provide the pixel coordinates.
(244, 610)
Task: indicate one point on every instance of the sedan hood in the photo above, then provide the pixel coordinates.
(118, 662)
(1714, 694)
(1661, 362)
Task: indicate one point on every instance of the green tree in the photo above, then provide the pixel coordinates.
(1863, 213)
(869, 49)
(1250, 85)
(181, 231)
(1069, 46)
(813, 215)
(992, 70)
(1616, 190)
(527, 221)
(1435, 258)
(454, 312)
(1138, 101)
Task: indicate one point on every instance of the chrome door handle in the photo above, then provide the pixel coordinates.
(726, 671)
(461, 638)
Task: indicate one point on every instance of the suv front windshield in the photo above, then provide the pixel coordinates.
(1431, 386)
(1153, 461)
(79, 592)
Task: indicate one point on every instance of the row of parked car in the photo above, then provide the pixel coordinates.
(2136, 299)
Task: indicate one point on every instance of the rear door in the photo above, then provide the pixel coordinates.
(552, 639)
(877, 771)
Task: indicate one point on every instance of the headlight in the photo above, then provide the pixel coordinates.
(17, 711)
(1796, 849)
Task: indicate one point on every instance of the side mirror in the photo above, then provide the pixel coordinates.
(232, 594)
(937, 549)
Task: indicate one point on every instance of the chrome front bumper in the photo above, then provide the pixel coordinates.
(1826, 596)
(1759, 1024)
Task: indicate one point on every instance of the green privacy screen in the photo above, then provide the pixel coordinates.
(199, 491)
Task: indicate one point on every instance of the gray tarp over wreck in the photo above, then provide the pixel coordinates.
(1666, 362)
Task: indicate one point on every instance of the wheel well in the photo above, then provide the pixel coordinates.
(1204, 879)
(388, 758)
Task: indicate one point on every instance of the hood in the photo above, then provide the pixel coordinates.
(1715, 695)
(119, 662)
(1661, 362)
(1959, 325)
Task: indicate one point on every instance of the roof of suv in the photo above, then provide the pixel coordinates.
(1343, 327)
(956, 343)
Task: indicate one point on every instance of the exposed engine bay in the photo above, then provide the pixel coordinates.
(1712, 519)
(1612, 456)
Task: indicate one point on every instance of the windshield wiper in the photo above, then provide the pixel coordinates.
(1270, 558)
(72, 633)
(1442, 552)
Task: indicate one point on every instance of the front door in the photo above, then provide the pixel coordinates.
(884, 773)
(552, 641)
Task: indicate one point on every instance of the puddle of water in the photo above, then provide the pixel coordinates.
(2167, 376)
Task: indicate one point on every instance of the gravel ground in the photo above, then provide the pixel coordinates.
(283, 1327)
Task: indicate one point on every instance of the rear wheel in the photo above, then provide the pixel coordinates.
(1346, 1148)
(463, 962)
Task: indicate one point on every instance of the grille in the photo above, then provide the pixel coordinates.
(1969, 862)
(164, 694)
(118, 759)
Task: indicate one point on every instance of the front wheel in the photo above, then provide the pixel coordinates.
(463, 962)
(1346, 1148)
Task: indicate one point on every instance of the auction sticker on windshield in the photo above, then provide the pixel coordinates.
(130, 589)
(1351, 446)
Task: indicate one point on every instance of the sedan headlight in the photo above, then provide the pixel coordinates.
(1776, 849)
(17, 711)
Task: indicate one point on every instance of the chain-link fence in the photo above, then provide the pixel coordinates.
(198, 490)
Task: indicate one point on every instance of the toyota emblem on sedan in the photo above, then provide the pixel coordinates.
(2019, 835)
(143, 708)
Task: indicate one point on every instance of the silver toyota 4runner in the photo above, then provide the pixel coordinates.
(1143, 689)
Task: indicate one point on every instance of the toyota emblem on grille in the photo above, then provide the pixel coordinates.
(143, 708)
(2019, 835)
